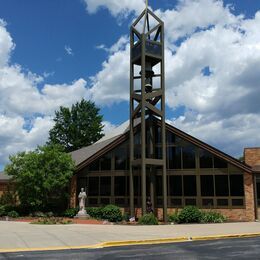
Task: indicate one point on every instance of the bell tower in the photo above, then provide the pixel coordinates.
(147, 106)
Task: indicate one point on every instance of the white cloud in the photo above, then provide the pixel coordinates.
(22, 100)
(6, 44)
(118, 46)
(199, 34)
(117, 8)
(68, 50)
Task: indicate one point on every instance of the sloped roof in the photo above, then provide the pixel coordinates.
(4, 177)
(86, 155)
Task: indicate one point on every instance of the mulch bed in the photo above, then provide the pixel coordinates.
(74, 221)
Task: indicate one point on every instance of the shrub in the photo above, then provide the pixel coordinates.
(112, 213)
(190, 214)
(12, 214)
(173, 217)
(126, 216)
(51, 221)
(148, 219)
(70, 213)
(212, 217)
(95, 213)
(2, 211)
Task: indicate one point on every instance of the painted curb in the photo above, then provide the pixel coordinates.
(131, 242)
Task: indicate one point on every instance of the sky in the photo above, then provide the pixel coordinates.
(55, 52)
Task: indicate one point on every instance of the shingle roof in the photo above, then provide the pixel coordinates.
(4, 177)
(84, 153)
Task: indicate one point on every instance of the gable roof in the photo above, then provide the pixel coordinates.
(4, 177)
(86, 155)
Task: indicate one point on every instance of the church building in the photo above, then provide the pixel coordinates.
(146, 158)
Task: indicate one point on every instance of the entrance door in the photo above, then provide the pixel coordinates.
(258, 196)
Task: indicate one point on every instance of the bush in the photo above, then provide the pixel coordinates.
(95, 213)
(112, 213)
(2, 211)
(190, 214)
(126, 216)
(51, 221)
(148, 219)
(12, 214)
(212, 217)
(70, 213)
(173, 218)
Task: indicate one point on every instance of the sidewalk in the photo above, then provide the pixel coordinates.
(19, 236)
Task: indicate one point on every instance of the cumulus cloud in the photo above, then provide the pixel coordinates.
(202, 34)
(115, 7)
(26, 109)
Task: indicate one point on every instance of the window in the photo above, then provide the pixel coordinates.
(221, 185)
(175, 182)
(105, 186)
(159, 185)
(174, 157)
(206, 159)
(189, 184)
(207, 185)
(137, 185)
(94, 166)
(106, 162)
(219, 163)
(120, 158)
(236, 185)
(170, 138)
(120, 185)
(188, 157)
(93, 186)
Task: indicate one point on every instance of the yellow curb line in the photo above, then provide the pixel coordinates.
(131, 242)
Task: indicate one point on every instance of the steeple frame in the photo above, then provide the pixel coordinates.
(147, 51)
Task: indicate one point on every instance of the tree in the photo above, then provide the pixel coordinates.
(77, 127)
(41, 177)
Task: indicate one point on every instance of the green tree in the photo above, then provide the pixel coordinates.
(77, 127)
(41, 177)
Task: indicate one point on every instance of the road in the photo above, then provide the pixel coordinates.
(239, 248)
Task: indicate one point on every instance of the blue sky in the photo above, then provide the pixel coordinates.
(60, 51)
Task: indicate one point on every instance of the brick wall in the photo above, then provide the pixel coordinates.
(73, 191)
(252, 156)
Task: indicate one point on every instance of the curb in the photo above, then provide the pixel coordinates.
(131, 243)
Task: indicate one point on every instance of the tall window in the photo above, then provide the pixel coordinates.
(121, 158)
(188, 157)
(206, 159)
(120, 185)
(105, 186)
(105, 162)
(189, 184)
(93, 186)
(207, 185)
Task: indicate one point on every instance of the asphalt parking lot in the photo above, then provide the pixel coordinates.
(238, 248)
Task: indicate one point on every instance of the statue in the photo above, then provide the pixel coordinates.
(149, 205)
(82, 201)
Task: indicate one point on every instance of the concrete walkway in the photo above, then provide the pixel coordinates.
(18, 236)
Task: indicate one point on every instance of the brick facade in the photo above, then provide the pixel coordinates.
(73, 191)
(252, 156)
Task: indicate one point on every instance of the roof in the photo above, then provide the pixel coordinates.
(256, 168)
(4, 177)
(86, 155)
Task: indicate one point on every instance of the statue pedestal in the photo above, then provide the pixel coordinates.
(82, 214)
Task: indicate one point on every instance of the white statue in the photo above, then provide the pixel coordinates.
(82, 201)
